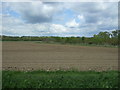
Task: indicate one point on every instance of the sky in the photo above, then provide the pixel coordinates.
(63, 19)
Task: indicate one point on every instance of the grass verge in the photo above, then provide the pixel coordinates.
(79, 44)
(59, 79)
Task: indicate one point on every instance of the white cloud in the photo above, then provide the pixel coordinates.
(14, 26)
(57, 28)
(36, 18)
(72, 24)
(81, 17)
(34, 12)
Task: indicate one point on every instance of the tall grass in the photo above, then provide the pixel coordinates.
(60, 79)
(79, 44)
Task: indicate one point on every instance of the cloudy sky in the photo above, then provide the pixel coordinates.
(58, 18)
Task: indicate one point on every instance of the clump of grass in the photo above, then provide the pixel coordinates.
(60, 79)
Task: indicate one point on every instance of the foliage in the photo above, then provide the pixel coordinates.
(60, 79)
(102, 38)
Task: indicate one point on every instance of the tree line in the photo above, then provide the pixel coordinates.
(102, 38)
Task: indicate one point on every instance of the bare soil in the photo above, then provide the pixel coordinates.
(19, 55)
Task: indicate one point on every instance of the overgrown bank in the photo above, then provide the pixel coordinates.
(60, 79)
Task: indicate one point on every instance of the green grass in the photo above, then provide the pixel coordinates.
(79, 44)
(60, 79)
(75, 44)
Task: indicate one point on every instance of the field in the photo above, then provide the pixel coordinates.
(28, 55)
(29, 64)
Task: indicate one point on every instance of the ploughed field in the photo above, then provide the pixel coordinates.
(26, 55)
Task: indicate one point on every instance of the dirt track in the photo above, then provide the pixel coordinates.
(34, 56)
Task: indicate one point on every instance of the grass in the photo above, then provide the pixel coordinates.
(0, 79)
(60, 79)
(79, 44)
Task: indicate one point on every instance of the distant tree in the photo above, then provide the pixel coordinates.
(104, 35)
(83, 39)
(116, 33)
(102, 38)
(116, 37)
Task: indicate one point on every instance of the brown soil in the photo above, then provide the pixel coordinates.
(36, 56)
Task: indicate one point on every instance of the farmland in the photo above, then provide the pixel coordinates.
(29, 55)
(59, 44)
(28, 64)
